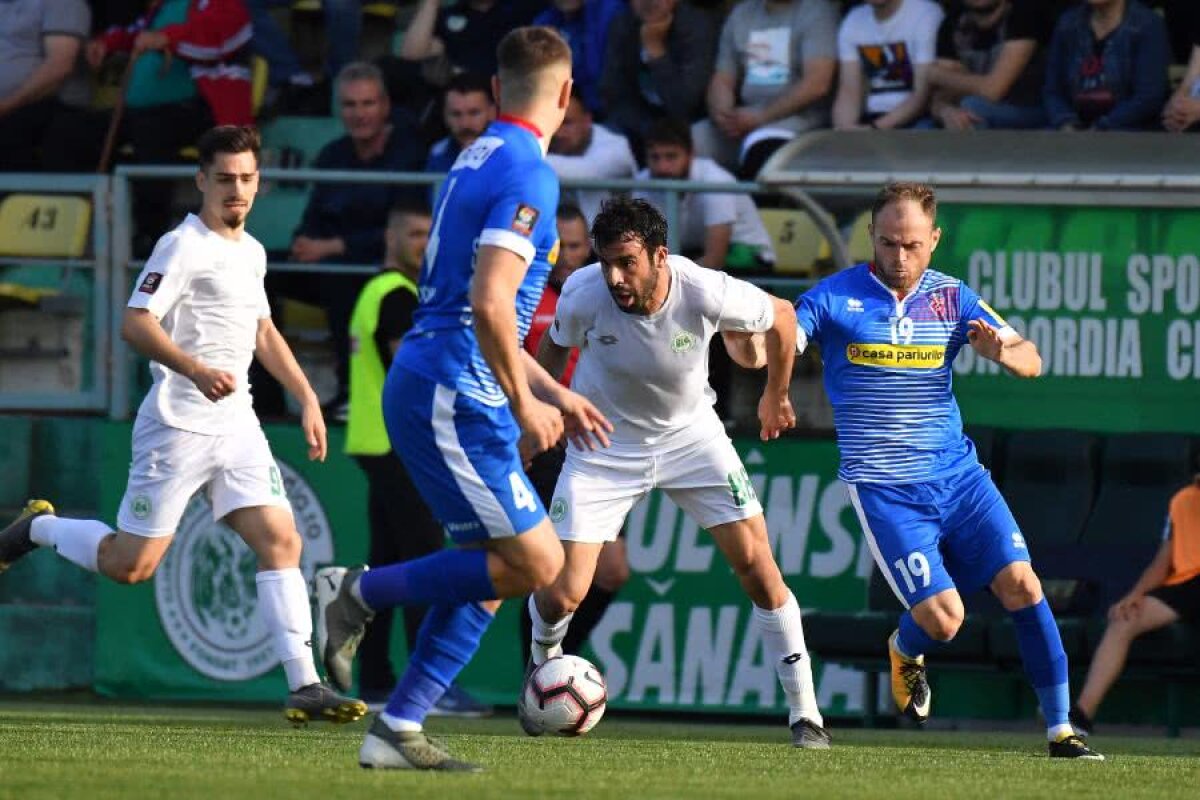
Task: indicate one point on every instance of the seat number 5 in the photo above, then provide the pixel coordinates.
(912, 569)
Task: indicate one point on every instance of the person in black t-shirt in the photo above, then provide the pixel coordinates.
(991, 64)
(462, 37)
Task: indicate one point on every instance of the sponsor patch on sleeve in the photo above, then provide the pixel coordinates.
(524, 220)
(151, 283)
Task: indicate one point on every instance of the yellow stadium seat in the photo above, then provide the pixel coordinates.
(306, 5)
(44, 225)
(382, 10)
(860, 246)
(796, 239)
(258, 83)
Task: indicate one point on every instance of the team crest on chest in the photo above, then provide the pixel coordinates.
(937, 304)
(682, 342)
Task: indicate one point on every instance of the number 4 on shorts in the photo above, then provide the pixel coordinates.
(522, 496)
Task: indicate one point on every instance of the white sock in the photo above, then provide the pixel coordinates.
(397, 724)
(283, 601)
(76, 540)
(783, 635)
(547, 637)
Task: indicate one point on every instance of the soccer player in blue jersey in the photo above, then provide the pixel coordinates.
(465, 406)
(934, 520)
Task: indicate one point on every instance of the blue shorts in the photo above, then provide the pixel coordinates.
(953, 533)
(462, 457)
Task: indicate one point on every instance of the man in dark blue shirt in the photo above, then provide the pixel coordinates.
(344, 222)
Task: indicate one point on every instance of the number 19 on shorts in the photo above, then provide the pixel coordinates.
(913, 569)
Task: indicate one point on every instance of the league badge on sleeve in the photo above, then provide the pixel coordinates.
(525, 219)
(151, 283)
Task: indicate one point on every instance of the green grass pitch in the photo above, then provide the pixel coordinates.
(98, 751)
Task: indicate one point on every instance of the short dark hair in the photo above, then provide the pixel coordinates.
(920, 193)
(669, 130)
(568, 212)
(470, 83)
(624, 218)
(523, 54)
(228, 139)
(410, 209)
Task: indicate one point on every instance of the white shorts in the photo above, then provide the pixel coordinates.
(597, 488)
(170, 465)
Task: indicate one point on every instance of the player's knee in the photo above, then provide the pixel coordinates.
(1020, 591)
(612, 574)
(542, 572)
(944, 626)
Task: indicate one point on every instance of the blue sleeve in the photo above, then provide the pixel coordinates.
(522, 210)
(811, 310)
(1056, 92)
(972, 306)
(1150, 62)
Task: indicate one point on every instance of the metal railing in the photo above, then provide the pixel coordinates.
(126, 266)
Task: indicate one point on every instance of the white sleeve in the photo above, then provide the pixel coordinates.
(745, 308)
(163, 279)
(925, 39)
(846, 46)
(571, 317)
(264, 305)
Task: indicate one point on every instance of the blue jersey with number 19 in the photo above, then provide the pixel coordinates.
(499, 192)
(887, 371)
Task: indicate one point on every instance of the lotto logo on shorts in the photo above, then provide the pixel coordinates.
(524, 220)
(151, 283)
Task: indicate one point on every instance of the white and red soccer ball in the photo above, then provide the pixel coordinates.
(565, 695)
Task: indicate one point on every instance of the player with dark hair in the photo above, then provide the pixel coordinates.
(643, 321)
(934, 520)
(199, 313)
(465, 407)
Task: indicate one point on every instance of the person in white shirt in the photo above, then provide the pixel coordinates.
(643, 321)
(583, 149)
(722, 231)
(885, 50)
(200, 313)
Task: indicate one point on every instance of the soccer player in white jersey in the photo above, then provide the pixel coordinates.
(934, 520)
(643, 320)
(199, 313)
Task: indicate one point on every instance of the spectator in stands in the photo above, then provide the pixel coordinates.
(40, 42)
(1107, 67)
(659, 61)
(190, 73)
(585, 25)
(462, 37)
(717, 230)
(401, 525)
(991, 65)
(1182, 112)
(773, 79)
(291, 88)
(344, 223)
(467, 109)
(583, 149)
(886, 49)
(1168, 590)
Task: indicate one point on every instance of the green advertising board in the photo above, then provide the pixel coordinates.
(1111, 297)
(679, 635)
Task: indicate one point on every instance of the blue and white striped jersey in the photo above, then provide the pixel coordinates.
(499, 192)
(888, 371)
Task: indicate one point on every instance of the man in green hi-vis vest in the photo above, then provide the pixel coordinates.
(402, 528)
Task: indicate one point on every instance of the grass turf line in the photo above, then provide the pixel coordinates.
(100, 751)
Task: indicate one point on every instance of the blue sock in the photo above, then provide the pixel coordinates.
(447, 577)
(912, 640)
(448, 638)
(1045, 660)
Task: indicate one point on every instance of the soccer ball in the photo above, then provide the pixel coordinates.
(564, 695)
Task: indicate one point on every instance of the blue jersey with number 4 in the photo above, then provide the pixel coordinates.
(888, 371)
(499, 192)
